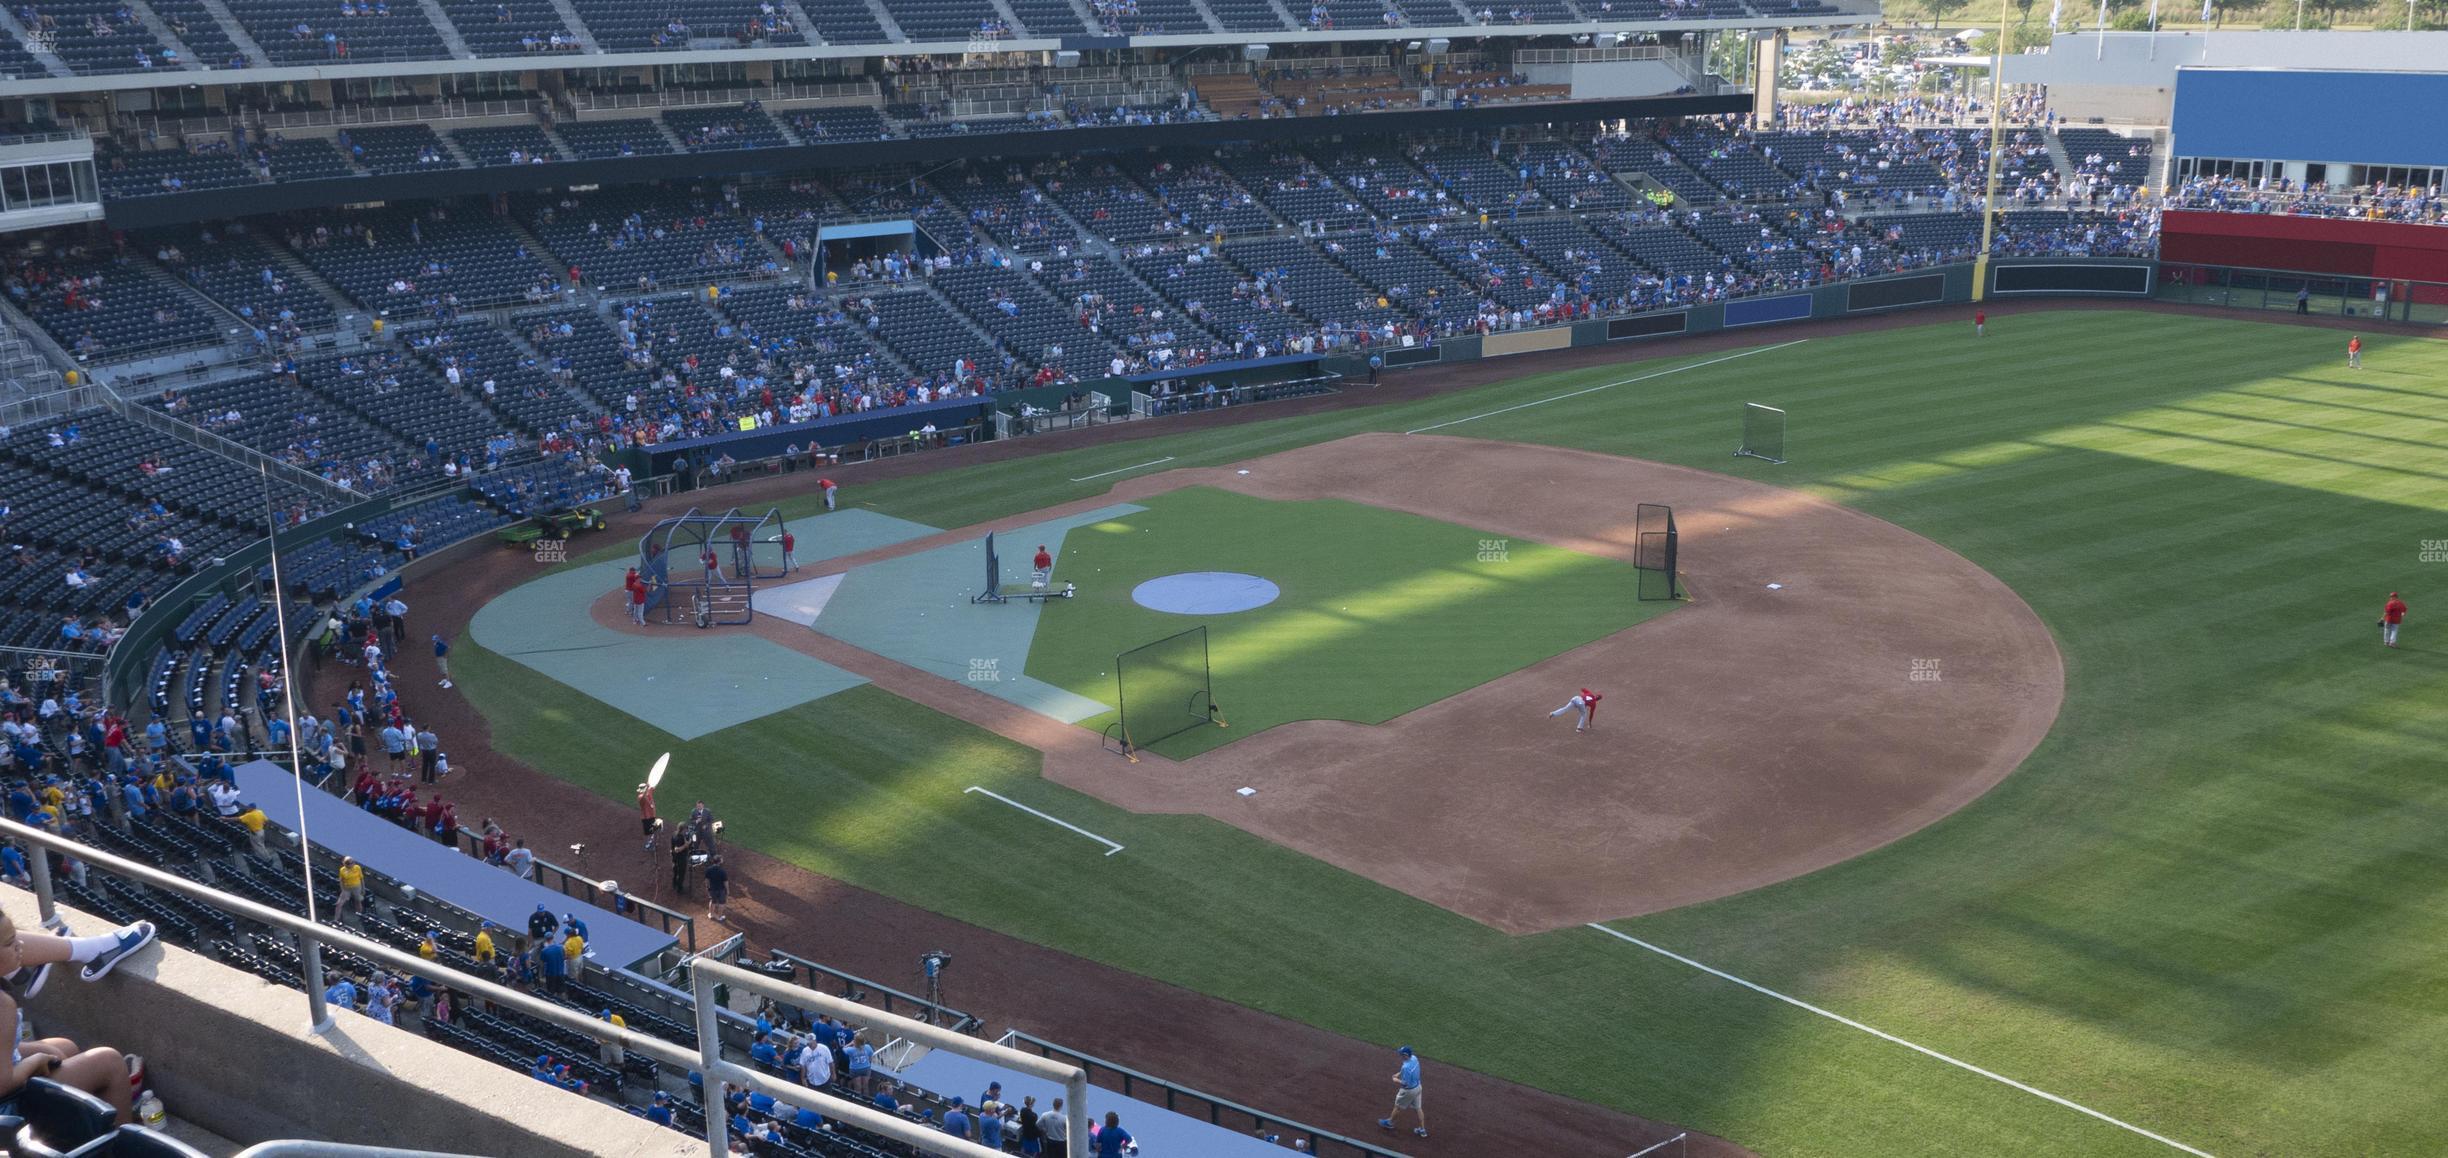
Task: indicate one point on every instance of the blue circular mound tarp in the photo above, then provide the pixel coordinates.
(1205, 593)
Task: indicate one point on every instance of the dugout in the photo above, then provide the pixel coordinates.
(672, 559)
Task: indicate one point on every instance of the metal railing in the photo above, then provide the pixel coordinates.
(160, 423)
(706, 1059)
(1132, 1084)
(570, 883)
(859, 989)
(706, 974)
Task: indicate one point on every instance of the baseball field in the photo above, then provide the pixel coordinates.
(2191, 906)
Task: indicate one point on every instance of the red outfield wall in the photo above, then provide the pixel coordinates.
(2333, 245)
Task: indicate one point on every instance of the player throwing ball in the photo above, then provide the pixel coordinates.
(1584, 702)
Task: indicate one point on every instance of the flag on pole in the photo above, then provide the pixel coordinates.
(2056, 11)
(2154, 23)
(2209, 11)
(2103, 23)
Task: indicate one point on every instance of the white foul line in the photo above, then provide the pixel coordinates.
(1120, 469)
(1110, 847)
(1662, 1145)
(1840, 1019)
(1608, 386)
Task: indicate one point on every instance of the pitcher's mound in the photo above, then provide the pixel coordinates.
(1205, 593)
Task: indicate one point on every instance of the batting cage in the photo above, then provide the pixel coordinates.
(703, 569)
(1654, 551)
(1163, 689)
(1763, 433)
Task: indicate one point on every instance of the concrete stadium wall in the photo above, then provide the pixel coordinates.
(231, 1053)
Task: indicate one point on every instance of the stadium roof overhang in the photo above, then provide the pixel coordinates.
(252, 200)
(362, 69)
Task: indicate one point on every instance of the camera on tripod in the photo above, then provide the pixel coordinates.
(932, 962)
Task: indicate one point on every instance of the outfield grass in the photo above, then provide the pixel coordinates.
(1380, 612)
(2207, 904)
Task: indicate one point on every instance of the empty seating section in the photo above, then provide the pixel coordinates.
(1936, 236)
(201, 32)
(507, 145)
(809, 331)
(1049, 18)
(96, 36)
(397, 148)
(582, 348)
(112, 453)
(1410, 280)
(925, 334)
(1345, 15)
(1645, 156)
(708, 130)
(297, 32)
(1729, 161)
(1484, 181)
(1217, 296)
(403, 396)
(940, 20)
(673, 25)
(1569, 179)
(159, 171)
(1026, 321)
(1109, 204)
(497, 374)
(1596, 267)
(1317, 95)
(510, 27)
(1304, 280)
(856, 123)
(1494, 267)
(111, 309)
(1390, 189)
(399, 260)
(1296, 189)
(1008, 207)
(845, 23)
(302, 429)
(1660, 246)
(636, 239)
(246, 276)
(1205, 199)
(1149, 17)
(2124, 161)
(307, 159)
(594, 140)
(1102, 293)
(1247, 15)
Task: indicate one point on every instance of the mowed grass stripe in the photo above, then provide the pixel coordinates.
(2204, 905)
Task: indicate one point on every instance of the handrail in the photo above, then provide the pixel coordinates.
(300, 1148)
(194, 435)
(705, 1059)
(473, 845)
(937, 1011)
(707, 973)
(1217, 1107)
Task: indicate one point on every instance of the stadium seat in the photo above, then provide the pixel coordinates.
(59, 1119)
